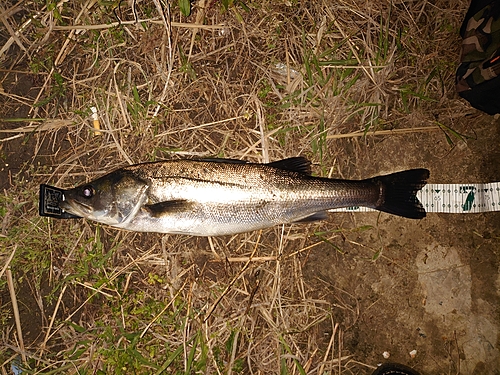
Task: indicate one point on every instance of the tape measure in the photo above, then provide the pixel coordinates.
(460, 198)
(453, 198)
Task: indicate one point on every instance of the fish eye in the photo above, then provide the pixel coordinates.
(88, 191)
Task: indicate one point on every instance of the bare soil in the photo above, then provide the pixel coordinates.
(331, 295)
(434, 289)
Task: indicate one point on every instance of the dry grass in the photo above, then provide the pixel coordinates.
(281, 79)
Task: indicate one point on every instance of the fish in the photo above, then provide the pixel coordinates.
(215, 197)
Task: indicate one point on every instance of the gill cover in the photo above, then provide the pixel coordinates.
(113, 199)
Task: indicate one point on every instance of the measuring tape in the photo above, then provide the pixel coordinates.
(453, 198)
(460, 198)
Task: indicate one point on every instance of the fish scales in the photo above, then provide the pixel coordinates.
(167, 180)
(260, 196)
(218, 197)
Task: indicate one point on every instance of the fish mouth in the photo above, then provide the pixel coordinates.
(76, 208)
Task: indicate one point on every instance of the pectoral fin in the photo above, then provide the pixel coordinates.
(168, 207)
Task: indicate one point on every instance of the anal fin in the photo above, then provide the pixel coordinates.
(322, 215)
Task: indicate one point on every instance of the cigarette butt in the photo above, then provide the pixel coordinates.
(95, 120)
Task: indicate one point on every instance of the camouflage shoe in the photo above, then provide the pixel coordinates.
(478, 76)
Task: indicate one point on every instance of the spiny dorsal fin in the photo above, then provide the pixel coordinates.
(295, 164)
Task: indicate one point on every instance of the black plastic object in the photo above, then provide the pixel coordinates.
(50, 197)
(394, 369)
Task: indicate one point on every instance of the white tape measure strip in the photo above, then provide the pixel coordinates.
(453, 198)
(460, 198)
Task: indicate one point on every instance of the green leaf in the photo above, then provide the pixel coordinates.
(295, 361)
(226, 4)
(76, 327)
(185, 6)
(191, 355)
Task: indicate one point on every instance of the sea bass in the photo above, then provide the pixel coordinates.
(213, 197)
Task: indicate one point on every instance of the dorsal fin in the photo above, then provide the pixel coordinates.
(295, 164)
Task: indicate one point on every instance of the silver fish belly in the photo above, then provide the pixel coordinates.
(214, 197)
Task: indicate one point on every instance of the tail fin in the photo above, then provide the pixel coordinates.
(399, 193)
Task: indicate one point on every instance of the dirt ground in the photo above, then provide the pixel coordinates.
(333, 295)
(436, 287)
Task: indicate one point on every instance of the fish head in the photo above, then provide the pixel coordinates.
(113, 199)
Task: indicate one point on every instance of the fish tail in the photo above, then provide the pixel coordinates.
(399, 193)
